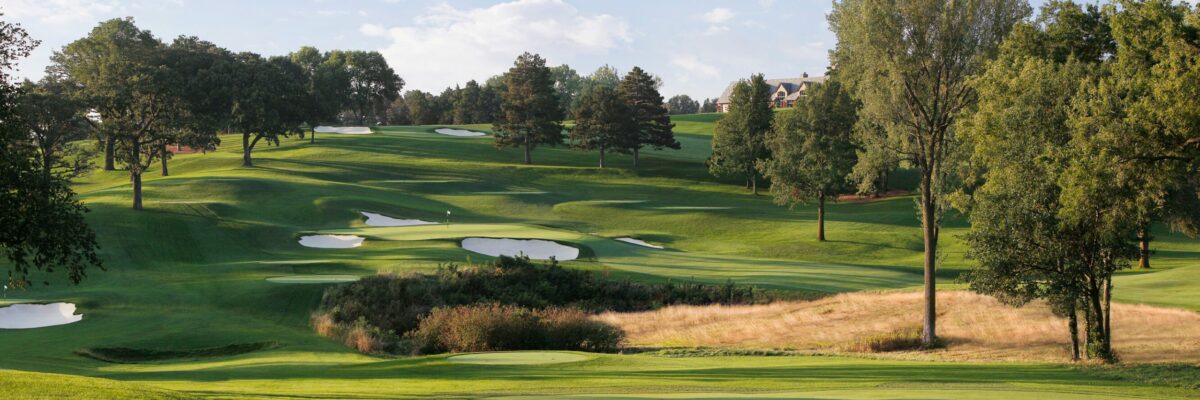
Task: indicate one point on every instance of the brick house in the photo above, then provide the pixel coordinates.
(786, 91)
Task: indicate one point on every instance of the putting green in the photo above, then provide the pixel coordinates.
(313, 279)
(519, 358)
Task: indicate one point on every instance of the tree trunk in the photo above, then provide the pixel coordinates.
(245, 150)
(163, 155)
(821, 217)
(1144, 246)
(636, 157)
(135, 172)
(312, 139)
(753, 184)
(929, 226)
(1073, 325)
(601, 157)
(528, 157)
(110, 145)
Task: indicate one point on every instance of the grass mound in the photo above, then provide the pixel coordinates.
(129, 355)
(519, 358)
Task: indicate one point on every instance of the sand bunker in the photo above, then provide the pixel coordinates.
(344, 130)
(638, 242)
(331, 241)
(533, 248)
(25, 316)
(458, 132)
(374, 219)
(519, 358)
(312, 279)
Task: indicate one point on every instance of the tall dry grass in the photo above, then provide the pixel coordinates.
(975, 327)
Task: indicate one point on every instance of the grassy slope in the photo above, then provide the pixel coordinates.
(189, 271)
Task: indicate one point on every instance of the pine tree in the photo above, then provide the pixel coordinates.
(652, 125)
(530, 108)
(602, 122)
(738, 140)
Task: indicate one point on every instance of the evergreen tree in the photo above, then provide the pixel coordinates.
(811, 150)
(739, 138)
(531, 115)
(602, 122)
(652, 125)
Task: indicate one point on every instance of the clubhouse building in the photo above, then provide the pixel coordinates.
(785, 95)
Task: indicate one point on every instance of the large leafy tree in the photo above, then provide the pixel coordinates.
(55, 118)
(603, 122)
(909, 63)
(652, 124)
(421, 109)
(567, 83)
(41, 221)
(811, 149)
(532, 116)
(203, 74)
(373, 84)
(268, 103)
(326, 87)
(682, 104)
(739, 137)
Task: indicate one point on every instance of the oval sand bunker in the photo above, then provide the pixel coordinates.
(638, 242)
(313, 279)
(25, 316)
(458, 132)
(519, 358)
(374, 219)
(331, 241)
(533, 248)
(344, 130)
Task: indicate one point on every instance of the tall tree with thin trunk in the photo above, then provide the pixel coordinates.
(530, 107)
(909, 63)
(268, 103)
(602, 122)
(811, 149)
(739, 138)
(652, 124)
(326, 86)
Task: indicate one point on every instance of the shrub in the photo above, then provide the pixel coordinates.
(898, 340)
(493, 327)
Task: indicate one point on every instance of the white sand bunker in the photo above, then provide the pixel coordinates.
(533, 248)
(331, 241)
(638, 242)
(374, 219)
(458, 132)
(344, 130)
(25, 316)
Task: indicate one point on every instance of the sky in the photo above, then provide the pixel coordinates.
(696, 46)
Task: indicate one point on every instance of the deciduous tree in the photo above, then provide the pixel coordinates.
(739, 137)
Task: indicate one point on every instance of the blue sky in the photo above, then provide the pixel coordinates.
(696, 46)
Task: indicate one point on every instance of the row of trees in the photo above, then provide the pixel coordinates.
(138, 96)
(1064, 137)
(624, 116)
(683, 104)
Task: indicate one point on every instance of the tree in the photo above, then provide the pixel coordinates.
(327, 88)
(420, 107)
(909, 63)
(604, 76)
(55, 117)
(203, 73)
(41, 221)
(811, 149)
(114, 53)
(653, 127)
(373, 84)
(709, 106)
(269, 101)
(530, 107)
(739, 138)
(682, 104)
(603, 122)
(468, 106)
(567, 83)
(875, 160)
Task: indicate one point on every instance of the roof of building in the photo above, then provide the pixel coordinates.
(791, 84)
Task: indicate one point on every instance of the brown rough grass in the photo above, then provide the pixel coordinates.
(975, 327)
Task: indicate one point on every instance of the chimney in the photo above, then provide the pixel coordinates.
(805, 75)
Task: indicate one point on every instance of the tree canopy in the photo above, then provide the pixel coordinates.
(739, 137)
(531, 113)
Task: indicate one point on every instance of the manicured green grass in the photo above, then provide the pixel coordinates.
(191, 271)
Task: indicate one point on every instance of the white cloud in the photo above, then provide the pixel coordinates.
(717, 15)
(57, 11)
(693, 66)
(447, 45)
